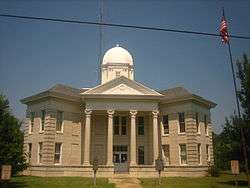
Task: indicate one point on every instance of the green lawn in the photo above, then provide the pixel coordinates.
(56, 182)
(223, 181)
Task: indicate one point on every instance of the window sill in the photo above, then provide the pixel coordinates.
(140, 135)
(183, 164)
(41, 132)
(184, 133)
(57, 164)
(165, 135)
(59, 132)
(117, 135)
(198, 133)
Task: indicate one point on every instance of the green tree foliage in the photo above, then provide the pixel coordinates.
(244, 93)
(227, 145)
(11, 138)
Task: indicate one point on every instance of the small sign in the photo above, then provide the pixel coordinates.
(6, 172)
(159, 166)
(95, 164)
(235, 166)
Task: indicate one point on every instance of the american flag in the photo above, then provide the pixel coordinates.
(223, 31)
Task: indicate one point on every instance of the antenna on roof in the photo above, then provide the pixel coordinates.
(101, 44)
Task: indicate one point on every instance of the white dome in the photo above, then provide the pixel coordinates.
(117, 55)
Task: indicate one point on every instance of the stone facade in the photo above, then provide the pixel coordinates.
(120, 123)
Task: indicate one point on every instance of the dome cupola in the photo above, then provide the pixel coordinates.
(117, 62)
(117, 55)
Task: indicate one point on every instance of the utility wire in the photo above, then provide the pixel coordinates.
(122, 26)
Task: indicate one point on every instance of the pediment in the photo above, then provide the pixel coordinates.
(123, 89)
(122, 86)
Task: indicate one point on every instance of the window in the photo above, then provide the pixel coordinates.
(166, 152)
(116, 125)
(58, 148)
(29, 151)
(42, 120)
(141, 155)
(124, 125)
(197, 122)
(120, 125)
(120, 148)
(165, 124)
(199, 153)
(205, 124)
(183, 154)
(117, 74)
(59, 121)
(40, 149)
(140, 125)
(182, 122)
(208, 153)
(32, 118)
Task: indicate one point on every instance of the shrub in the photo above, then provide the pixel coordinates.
(213, 171)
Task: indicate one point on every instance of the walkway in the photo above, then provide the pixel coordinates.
(126, 182)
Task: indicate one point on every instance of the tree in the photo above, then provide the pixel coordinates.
(11, 138)
(228, 145)
(244, 96)
(244, 93)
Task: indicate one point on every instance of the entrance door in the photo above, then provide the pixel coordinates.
(120, 158)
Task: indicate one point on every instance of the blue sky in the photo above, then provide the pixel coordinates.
(35, 55)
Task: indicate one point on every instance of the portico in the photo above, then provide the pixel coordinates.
(123, 136)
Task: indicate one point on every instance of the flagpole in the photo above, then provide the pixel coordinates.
(238, 108)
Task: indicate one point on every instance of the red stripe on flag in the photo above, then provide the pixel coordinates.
(223, 31)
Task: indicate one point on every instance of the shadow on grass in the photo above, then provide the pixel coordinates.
(240, 183)
(12, 184)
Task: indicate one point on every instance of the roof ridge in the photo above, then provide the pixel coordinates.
(176, 88)
(63, 85)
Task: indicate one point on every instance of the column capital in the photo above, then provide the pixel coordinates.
(155, 113)
(133, 113)
(110, 112)
(88, 111)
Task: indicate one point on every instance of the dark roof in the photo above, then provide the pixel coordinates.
(176, 92)
(73, 94)
(180, 94)
(58, 90)
(66, 90)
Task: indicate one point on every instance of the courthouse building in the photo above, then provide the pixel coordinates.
(122, 123)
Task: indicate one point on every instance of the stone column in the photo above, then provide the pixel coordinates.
(155, 135)
(133, 138)
(110, 138)
(87, 132)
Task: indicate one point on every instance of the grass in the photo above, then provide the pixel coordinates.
(55, 182)
(223, 181)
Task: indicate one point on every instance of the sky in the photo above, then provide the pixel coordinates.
(35, 55)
